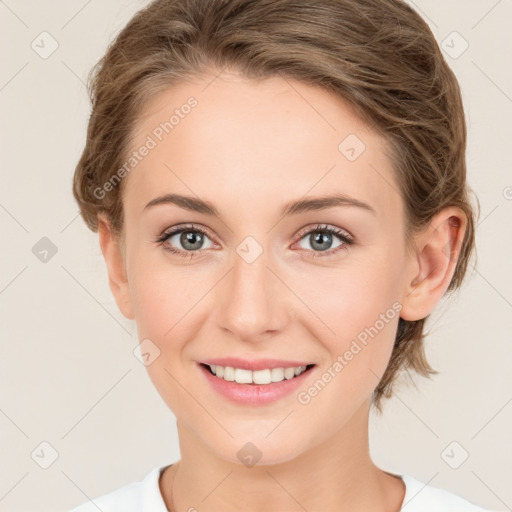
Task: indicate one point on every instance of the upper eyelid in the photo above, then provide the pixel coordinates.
(320, 227)
(186, 227)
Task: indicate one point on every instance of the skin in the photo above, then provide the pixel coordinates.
(249, 147)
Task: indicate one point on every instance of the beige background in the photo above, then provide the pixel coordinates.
(68, 374)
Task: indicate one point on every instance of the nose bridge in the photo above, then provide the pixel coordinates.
(251, 303)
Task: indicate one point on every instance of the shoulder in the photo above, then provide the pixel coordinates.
(143, 495)
(421, 497)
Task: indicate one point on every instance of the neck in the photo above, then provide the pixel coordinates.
(335, 475)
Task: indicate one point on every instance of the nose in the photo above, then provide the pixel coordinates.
(252, 300)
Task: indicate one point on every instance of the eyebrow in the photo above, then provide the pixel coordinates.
(195, 204)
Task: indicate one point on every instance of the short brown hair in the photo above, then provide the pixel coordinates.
(378, 55)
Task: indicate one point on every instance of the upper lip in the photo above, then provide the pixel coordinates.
(254, 364)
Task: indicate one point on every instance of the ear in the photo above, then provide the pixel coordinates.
(114, 259)
(431, 268)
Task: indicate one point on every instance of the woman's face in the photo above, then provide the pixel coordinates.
(263, 281)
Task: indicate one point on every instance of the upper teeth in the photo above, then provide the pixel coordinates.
(267, 376)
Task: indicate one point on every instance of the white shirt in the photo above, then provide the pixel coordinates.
(145, 496)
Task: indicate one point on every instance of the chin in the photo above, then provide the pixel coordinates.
(256, 450)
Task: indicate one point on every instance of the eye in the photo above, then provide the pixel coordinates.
(321, 240)
(190, 239)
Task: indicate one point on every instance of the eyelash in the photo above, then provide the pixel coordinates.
(342, 235)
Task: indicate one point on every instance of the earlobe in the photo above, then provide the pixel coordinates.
(431, 269)
(114, 260)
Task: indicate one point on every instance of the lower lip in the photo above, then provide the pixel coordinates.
(254, 394)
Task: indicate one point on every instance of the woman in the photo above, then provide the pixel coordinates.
(280, 193)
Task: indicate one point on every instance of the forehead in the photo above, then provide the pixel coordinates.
(266, 141)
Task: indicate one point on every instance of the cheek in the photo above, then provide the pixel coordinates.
(356, 314)
(163, 294)
(358, 353)
(164, 300)
(153, 302)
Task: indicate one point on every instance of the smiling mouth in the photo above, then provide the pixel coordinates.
(258, 377)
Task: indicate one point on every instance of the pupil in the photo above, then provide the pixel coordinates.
(319, 238)
(189, 237)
